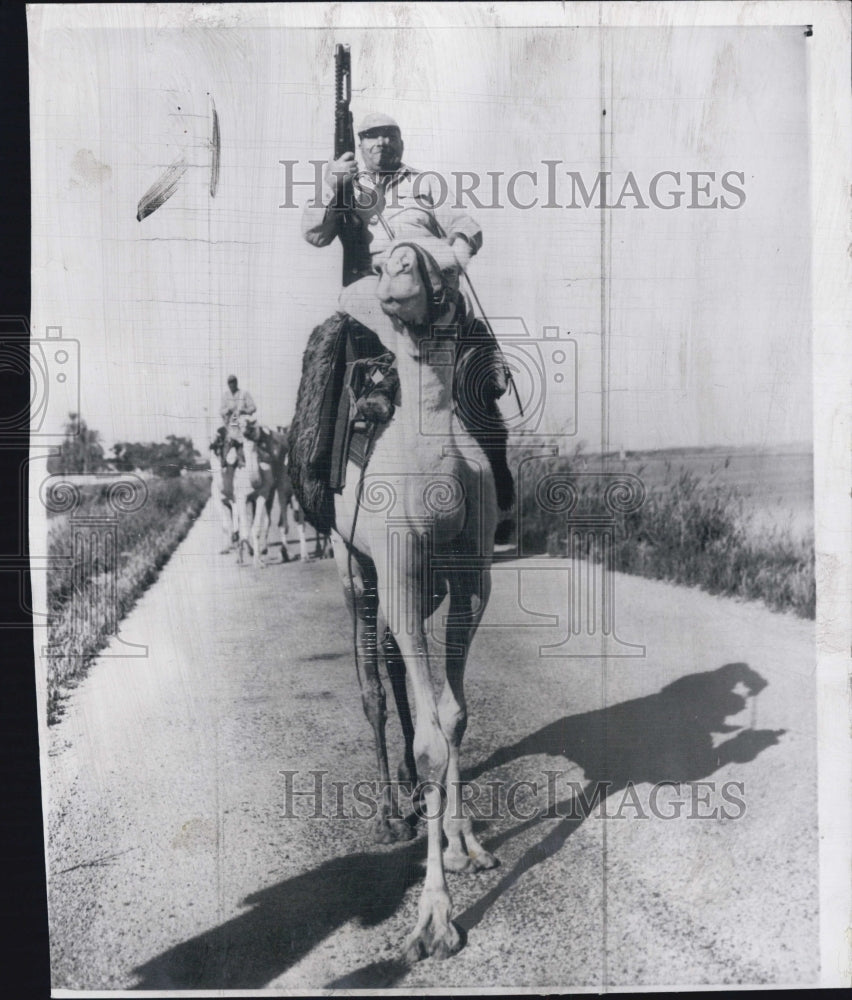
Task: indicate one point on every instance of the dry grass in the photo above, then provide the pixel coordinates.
(691, 530)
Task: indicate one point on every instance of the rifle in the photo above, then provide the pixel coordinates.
(344, 131)
(356, 257)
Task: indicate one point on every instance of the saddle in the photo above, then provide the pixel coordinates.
(357, 364)
(349, 383)
(370, 397)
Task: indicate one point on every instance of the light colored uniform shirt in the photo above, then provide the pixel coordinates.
(411, 203)
(235, 403)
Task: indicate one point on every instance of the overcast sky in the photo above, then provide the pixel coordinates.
(697, 320)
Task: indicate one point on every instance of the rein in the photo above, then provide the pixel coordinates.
(371, 433)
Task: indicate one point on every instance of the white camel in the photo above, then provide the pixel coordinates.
(417, 525)
(255, 483)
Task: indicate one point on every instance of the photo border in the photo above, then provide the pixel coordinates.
(830, 158)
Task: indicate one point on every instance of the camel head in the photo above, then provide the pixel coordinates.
(217, 445)
(258, 450)
(418, 283)
(272, 445)
(249, 427)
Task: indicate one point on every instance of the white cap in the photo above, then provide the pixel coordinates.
(376, 120)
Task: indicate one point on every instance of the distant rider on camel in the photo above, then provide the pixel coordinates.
(235, 403)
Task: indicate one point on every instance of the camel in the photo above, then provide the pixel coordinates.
(322, 539)
(258, 478)
(222, 488)
(417, 524)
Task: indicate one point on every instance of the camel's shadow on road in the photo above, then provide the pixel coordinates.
(665, 737)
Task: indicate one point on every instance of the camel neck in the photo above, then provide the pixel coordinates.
(426, 386)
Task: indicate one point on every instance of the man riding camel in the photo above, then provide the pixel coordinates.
(409, 202)
(369, 211)
(235, 403)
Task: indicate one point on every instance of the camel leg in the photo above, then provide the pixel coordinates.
(259, 529)
(468, 599)
(360, 590)
(283, 524)
(407, 769)
(245, 521)
(269, 505)
(303, 543)
(226, 520)
(266, 503)
(232, 514)
(237, 516)
(434, 934)
(227, 527)
(240, 517)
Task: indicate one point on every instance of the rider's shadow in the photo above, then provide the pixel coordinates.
(666, 736)
(663, 737)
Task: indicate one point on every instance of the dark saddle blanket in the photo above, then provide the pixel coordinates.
(322, 411)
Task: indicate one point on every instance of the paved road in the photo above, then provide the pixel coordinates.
(178, 862)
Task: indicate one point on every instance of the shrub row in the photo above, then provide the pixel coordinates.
(689, 530)
(85, 600)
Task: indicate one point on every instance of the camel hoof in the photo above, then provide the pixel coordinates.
(456, 862)
(483, 861)
(391, 830)
(435, 934)
(435, 944)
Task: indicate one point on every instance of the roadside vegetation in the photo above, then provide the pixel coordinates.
(691, 529)
(82, 452)
(86, 598)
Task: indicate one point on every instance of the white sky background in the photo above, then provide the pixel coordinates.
(708, 311)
